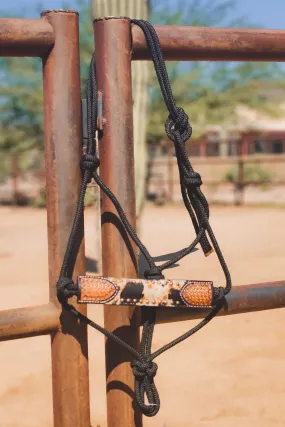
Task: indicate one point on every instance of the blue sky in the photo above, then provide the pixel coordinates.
(268, 14)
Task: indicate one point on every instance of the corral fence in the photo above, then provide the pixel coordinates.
(233, 173)
(54, 38)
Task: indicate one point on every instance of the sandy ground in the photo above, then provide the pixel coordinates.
(230, 374)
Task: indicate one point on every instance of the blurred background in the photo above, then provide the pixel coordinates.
(237, 111)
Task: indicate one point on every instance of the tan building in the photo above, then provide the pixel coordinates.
(252, 133)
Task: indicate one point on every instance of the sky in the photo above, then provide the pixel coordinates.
(268, 14)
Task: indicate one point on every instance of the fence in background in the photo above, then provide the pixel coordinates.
(267, 170)
(54, 38)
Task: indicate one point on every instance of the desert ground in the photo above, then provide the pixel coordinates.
(230, 374)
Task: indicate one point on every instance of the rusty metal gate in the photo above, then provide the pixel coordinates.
(54, 38)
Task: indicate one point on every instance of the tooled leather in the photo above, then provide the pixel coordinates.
(167, 293)
(197, 294)
(97, 290)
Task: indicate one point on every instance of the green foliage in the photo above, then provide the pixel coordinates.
(21, 109)
(21, 103)
(208, 91)
(252, 173)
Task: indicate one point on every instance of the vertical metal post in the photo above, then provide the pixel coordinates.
(113, 67)
(63, 138)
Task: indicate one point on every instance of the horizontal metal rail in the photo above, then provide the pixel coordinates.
(44, 319)
(242, 299)
(29, 321)
(213, 44)
(25, 37)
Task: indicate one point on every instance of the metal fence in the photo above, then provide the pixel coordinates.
(163, 183)
(54, 38)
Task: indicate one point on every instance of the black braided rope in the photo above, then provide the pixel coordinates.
(179, 131)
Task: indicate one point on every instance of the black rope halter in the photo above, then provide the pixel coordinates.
(179, 131)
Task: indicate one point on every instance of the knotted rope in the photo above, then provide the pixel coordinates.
(179, 131)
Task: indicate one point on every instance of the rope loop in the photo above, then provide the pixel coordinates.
(181, 120)
(192, 178)
(66, 288)
(144, 368)
(178, 126)
(90, 162)
(144, 371)
(219, 294)
(153, 273)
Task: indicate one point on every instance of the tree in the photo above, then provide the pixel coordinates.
(210, 92)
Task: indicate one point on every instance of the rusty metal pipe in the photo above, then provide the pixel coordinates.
(25, 37)
(113, 67)
(213, 44)
(242, 299)
(28, 321)
(63, 140)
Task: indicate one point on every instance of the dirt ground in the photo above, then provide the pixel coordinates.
(230, 374)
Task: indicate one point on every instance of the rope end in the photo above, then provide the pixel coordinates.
(209, 252)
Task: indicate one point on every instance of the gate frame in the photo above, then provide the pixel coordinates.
(55, 39)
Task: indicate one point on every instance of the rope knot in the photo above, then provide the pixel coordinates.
(90, 162)
(192, 178)
(219, 293)
(154, 273)
(144, 368)
(182, 120)
(178, 126)
(66, 288)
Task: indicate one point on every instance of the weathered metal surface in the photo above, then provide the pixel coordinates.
(242, 299)
(44, 319)
(139, 292)
(113, 47)
(63, 138)
(25, 37)
(213, 44)
(29, 321)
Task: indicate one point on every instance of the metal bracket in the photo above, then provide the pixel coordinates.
(100, 119)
